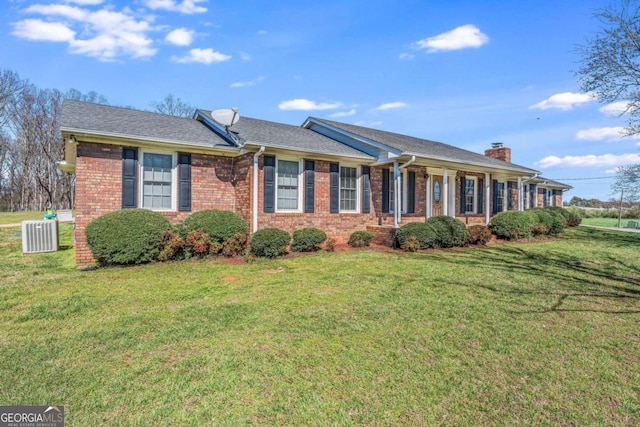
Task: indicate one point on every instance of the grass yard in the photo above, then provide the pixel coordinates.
(18, 217)
(513, 334)
(607, 222)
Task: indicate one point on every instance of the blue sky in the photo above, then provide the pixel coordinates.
(463, 72)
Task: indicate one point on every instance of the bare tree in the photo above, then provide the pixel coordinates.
(173, 106)
(627, 182)
(610, 61)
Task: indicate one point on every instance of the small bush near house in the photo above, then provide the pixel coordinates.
(129, 236)
(235, 246)
(513, 225)
(411, 244)
(270, 242)
(171, 246)
(559, 221)
(479, 234)
(573, 218)
(424, 234)
(450, 231)
(218, 224)
(197, 243)
(544, 218)
(360, 239)
(330, 245)
(307, 239)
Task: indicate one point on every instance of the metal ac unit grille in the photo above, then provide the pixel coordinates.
(39, 236)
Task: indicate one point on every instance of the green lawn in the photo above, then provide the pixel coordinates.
(512, 334)
(607, 222)
(18, 217)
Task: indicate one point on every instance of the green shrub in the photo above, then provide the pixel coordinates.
(360, 239)
(450, 231)
(559, 221)
(270, 242)
(219, 225)
(128, 236)
(197, 243)
(423, 232)
(307, 239)
(514, 225)
(573, 217)
(236, 245)
(479, 234)
(171, 246)
(545, 218)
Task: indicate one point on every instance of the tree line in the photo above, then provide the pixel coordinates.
(31, 142)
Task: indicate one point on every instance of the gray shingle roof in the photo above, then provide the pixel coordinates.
(78, 116)
(428, 149)
(551, 183)
(279, 135)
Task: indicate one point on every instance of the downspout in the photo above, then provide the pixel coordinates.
(398, 188)
(254, 214)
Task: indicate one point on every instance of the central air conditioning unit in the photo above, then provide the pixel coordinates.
(39, 236)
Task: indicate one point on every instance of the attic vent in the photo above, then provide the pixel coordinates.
(496, 144)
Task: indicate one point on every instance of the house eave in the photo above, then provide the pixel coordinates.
(316, 153)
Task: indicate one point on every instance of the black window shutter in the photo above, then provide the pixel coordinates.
(366, 189)
(269, 202)
(184, 182)
(334, 187)
(309, 186)
(411, 194)
(129, 177)
(510, 186)
(495, 196)
(463, 196)
(385, 190)
(480, 195)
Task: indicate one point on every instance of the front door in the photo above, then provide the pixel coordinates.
(437, 192)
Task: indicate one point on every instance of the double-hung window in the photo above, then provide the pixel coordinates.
(288, 189)
(348, 189)
(470, 195)
(158, 181)
(500, 196)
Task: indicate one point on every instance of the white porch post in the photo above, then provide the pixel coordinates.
(429, 204)
(520, 202)
(397, 201)
(487, 198)
(445, 192)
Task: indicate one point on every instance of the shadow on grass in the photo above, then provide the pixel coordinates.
(602, 276)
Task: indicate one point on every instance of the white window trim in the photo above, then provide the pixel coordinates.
(358, 187)
(300, 184)
(174, 180)
(475, 195)
(405, 195)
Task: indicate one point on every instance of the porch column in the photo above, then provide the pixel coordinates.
(397, 199)
(520, 202)
(429, 204)
(487, 198)
(445, 192)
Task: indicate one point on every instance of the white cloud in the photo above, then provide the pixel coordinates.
(85, 2)
(590, 160)
(203, 56)
(615, 108)
(563, 101)
(367, 123)
(344, 113)
(36, 29)
(307, 105)
(247, 83)
(187, 7)
(180, 37)
(390, 106)
(406, 56)
(104, 34)
(462, 37)
(615, 133)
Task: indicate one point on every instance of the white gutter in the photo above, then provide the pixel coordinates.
(256, 156)
(397, 211)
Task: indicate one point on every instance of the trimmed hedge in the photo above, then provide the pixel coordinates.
(544, 218)
(308, 239)
(270, 242)
(360, 239)
(218, 224)
(479, 234)
(559, 221)
(128, 236)
(450, 232)
(423, 232)
(514, 225)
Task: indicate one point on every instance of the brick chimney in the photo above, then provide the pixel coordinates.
(497, 151)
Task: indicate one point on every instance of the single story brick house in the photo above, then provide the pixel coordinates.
(334, 176)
